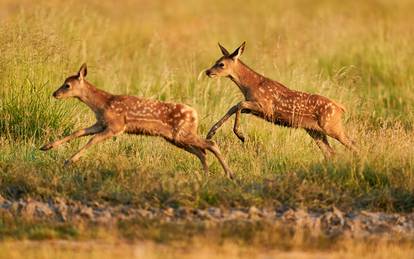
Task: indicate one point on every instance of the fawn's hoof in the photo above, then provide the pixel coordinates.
(241, 137)
(46, 147)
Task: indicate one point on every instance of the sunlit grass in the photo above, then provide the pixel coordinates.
(198, 249)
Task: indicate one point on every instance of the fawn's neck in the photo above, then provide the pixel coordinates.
(248, 79)
(95, 98)
(245, 77)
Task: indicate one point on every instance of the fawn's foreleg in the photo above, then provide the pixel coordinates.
(247, 107)
(95, 139)
(244, 106)
(218, 124)
(79, 133)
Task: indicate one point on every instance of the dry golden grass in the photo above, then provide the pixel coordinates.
(204, 250)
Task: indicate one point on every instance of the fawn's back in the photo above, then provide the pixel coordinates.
(291, 108)
(151, 117)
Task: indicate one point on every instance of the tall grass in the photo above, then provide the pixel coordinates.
(357, 53)
(29, 53)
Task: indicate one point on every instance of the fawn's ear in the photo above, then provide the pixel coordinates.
(238, 52)
(83, 71)
(223, 50)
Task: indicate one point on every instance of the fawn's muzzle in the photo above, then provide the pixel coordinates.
(208, 73)
(56, 94)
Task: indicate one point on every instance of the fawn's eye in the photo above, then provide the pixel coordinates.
(67, 86)
(221, 64)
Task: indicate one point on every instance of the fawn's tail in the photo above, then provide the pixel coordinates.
(340, 106)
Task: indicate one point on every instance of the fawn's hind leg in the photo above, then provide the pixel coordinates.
(214, 149)
(200, 153)
(337, 132)
(346, 141)
(322, 142)
(211, 146)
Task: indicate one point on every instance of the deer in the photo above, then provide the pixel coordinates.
(272, 101)
(116, 114)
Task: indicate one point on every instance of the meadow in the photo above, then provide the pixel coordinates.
(358, 53)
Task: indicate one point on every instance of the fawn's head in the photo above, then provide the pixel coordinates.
(73, 85)
(224, 66)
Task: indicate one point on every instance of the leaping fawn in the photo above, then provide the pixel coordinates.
(274, 102)
(116, 114)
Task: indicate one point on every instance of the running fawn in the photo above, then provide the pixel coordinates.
(274, 102)
(117, 114)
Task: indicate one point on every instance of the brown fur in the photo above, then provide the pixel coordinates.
(274, 102)
(117, 114)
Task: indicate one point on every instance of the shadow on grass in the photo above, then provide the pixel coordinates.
(347, 185)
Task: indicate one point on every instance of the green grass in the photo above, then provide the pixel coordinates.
(357, 53)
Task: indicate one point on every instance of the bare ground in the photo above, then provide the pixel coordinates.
(329, 222)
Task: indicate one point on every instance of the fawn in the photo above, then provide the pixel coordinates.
(274, 102)
(116, 114)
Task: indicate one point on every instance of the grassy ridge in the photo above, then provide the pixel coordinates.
(356, 53)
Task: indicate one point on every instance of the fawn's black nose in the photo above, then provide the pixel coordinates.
(208, 72)
(55, 94)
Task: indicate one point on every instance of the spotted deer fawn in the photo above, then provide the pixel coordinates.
(274, 102)
(116, 114)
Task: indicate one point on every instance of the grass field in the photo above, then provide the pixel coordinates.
(358, 53)
(148, 250)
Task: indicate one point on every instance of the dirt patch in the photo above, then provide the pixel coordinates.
(331, 222)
